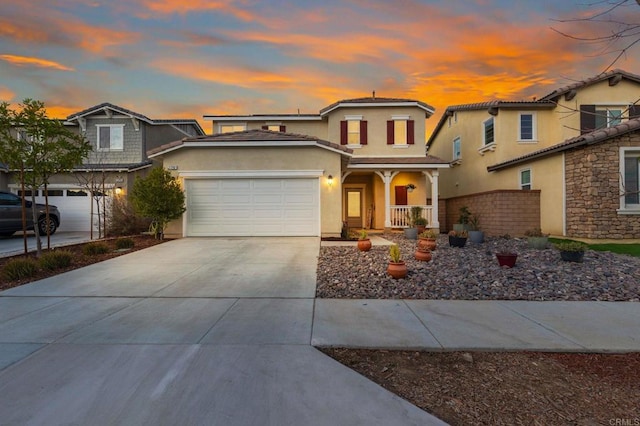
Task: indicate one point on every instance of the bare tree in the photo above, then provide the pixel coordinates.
(613, 27)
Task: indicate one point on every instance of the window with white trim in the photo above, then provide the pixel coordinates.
(525, 179)
(110, 137)
(353, 132)
(630, 175)
(457, 149)
(399, 132)
(488, 131)
(527, 127)
(229, 128)
(609, 116)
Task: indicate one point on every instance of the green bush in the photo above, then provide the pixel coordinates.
(55, 260)
(18, 269)
(92, 249)
(124, 243)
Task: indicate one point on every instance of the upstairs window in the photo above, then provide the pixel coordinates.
(608, 117)
(353, 131)
(527, 127)
(275, 127)
(488, 131)
(110, 137)
(230, 128)
(400, 131)
(457, 149)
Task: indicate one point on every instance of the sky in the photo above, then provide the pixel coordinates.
(189, 58)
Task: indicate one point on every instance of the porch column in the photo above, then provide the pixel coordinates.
(433, 177)
(387, 177)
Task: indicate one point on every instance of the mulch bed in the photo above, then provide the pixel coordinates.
(79, 258)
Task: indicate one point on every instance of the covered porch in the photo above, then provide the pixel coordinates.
(378, 193)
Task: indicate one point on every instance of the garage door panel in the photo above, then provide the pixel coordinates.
(252, 207)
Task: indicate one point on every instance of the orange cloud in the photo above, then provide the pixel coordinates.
(182, 7)
(22, 61)
(6, 94)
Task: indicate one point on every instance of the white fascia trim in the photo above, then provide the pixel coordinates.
(293, 117)
(387, 166)
(381, 104)
(122, 113)
(261, 144)
(244, 174)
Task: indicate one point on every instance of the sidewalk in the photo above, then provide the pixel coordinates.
(450, 325)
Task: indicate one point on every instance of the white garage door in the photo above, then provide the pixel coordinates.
(74, 206)
(253, 207)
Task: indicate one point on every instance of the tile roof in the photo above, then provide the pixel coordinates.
(139, 116)
(373, 100)
(596, 79)
(255, 135)
(597, 136)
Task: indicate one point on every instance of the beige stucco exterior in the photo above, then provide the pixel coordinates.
(261, 159)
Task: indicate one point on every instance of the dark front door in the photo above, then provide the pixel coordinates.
(401, 195)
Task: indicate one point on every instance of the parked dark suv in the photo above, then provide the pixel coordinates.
(11, 215)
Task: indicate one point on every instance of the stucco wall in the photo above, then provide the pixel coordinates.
(265, 158)
(593, 191)
(377, 118)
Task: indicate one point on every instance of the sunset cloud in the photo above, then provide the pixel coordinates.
(25, 61)
(6, 94)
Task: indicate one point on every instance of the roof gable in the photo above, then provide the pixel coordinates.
(614, 77)
(374, 101)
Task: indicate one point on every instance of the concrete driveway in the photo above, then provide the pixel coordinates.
(193, 331)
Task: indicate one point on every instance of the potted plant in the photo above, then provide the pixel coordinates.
(507, 258)
(536, 239)
(458, 238)
(397, 268)
(364, 243)
(422, 253)
(421, 224)
(571, 251)
(428, 240)
(475, 234)
(463, 219)
(412, 215)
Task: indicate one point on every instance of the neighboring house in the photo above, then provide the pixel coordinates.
(120, 139)
(360, 161)
(511, 161)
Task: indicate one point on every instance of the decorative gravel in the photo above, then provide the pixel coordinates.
(473, 273)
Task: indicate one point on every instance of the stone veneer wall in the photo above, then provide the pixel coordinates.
(501, 212)
(592, 176)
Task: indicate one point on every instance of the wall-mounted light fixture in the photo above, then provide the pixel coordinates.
(118, 190)
(330, 180)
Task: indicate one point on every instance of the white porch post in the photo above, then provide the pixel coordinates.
(433, 177)
(387, 177)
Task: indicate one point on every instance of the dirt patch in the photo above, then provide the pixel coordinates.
(79, 259)
(508, 388)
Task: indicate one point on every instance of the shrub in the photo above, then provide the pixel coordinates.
(55, 260)
(123, 220)
(18, 269)
(93, 249)
(124, 243)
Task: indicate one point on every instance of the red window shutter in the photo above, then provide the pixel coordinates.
(390, 132)
(343, 133)
(363, 132)
(283, 129)
(265, 127)
(410, 132)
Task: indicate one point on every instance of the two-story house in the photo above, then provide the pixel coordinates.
(360, 161)
(521, 165)
(120, 139)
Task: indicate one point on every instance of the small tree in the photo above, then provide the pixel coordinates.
(158, 197)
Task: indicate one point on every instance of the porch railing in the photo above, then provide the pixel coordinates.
(400, 215)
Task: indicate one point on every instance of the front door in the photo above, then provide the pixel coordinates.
(353, 197)
(401, 195)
